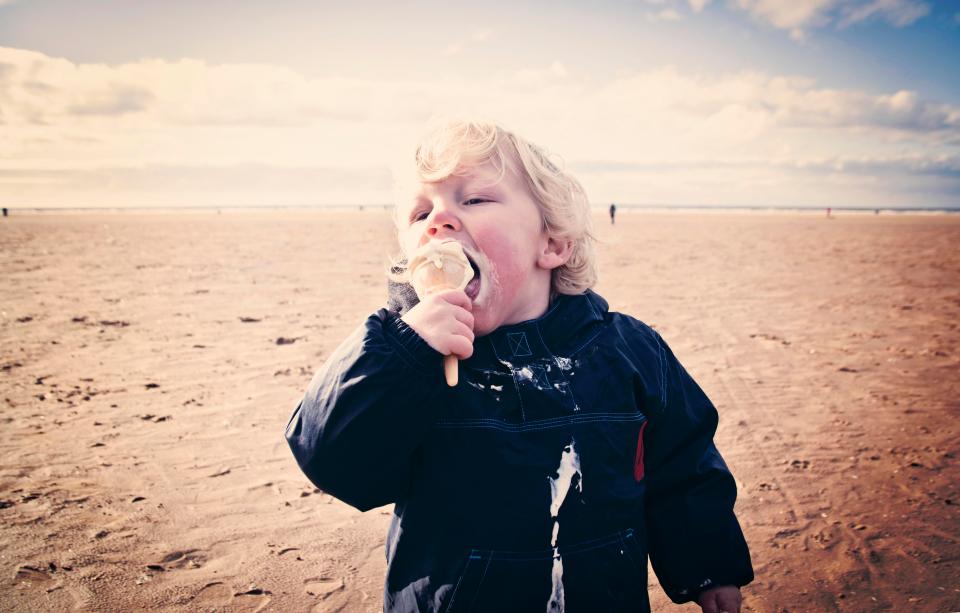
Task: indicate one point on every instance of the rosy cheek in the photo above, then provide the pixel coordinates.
(502, 283)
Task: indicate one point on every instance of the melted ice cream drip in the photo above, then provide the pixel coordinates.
(568, 470)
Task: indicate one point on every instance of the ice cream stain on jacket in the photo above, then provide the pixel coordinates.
(543, 374)
(565, 364)
(568, 475)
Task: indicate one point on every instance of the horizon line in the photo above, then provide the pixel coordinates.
(387, 206)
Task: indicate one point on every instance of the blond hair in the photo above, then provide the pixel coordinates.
(454, 146)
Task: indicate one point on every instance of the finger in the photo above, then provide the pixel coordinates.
(708, 602)
(465, 317)
(456, 297)
(461, 347)
(729, 603)
(461, 329)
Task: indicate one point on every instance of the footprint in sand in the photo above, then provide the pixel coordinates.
(191, 558)
(828, 537)
(251, 600)
(214, 595)
(217, 595)
(32, 576)
(323, 586)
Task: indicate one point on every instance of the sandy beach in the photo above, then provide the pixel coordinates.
(150, 362)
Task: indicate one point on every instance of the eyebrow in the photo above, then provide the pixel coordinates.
(462, 186)
(472, 181)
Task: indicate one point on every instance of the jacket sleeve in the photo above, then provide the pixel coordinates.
(695, 540)
(356, 430)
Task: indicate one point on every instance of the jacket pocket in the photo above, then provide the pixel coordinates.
(634, 548)
(605, 574)
(468, 584)
(609, 575)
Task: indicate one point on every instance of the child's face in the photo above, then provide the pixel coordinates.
(501, 231)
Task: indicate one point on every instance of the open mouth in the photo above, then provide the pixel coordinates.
(473, 287)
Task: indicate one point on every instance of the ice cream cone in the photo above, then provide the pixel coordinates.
(438, 266)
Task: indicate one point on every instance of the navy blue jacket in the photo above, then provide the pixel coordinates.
(574, 446)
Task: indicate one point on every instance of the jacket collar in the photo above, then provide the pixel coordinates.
(552, 334)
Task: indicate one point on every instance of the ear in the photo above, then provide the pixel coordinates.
(555, 253)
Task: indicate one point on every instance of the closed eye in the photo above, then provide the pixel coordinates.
(418, 215)
(476, 201)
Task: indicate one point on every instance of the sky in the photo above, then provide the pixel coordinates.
(784, 103)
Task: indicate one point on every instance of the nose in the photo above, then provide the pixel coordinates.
(443, 219)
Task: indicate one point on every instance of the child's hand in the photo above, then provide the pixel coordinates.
(723, 599)
(444, 320)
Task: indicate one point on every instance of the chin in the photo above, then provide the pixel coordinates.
(485, 321)
(482, 328)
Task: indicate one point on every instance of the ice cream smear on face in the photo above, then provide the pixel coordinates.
(441, 265)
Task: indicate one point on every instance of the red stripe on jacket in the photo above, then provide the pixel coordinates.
(638, 462)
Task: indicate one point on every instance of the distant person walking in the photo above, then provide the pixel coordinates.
(613, 213)
(4, 211)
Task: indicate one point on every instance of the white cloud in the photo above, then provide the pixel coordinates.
(536, 77)
(189, 131)
(919, 164)
(208, 185)
(899, 13)
(477, 36)
(799, 16)
(664, 15)
(670, 10)
(112, 101)
(789, 14)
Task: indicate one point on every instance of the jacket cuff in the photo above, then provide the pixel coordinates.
(410, 345)
(724, 560)
(691, 594)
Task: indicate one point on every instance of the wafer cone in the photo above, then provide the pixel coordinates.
(439, 266)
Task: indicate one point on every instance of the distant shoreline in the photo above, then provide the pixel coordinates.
(598, 208)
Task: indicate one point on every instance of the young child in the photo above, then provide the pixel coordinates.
(574, 444)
